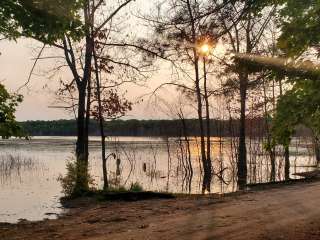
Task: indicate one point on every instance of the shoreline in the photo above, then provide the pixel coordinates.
(96, 197)
(216, 216)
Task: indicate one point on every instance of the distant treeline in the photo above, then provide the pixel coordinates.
(145, 128)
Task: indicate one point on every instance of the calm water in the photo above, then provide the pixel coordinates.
(29, 169)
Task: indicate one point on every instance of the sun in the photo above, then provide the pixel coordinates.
(205, 49)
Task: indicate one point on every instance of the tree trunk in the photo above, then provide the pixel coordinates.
(87, 120)
(82, 161)
(207, 171)
(242, 150)
(206, 175)
(270, 148)
(286, 147)
(317, 150)
(101, 126)
(82, 151)
(286, 163)
(190, 168)
(206, 98)
(273, 166)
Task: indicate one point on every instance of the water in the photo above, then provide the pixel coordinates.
(29, 169)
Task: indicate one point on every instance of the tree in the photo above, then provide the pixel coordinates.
(8, 103)
(244, 24)
(83, 58)
(80, 28)
(41, 20)
(300, 27)
(108, 105)
(300, 105)
(46, 21)
(107, 57)
(181, 28)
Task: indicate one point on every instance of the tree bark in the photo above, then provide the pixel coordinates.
(270, 148)
(242, 149)
(101, 126)
(286, 147)
(207, 171)
(317, 150)
(206, 98)
(82, 161)
(185, 133)
(286, 163)
(83, 85)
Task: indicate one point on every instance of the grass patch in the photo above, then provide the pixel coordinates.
(136, 187)
(118, 195)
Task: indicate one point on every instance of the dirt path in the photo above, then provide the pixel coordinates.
(290, 212)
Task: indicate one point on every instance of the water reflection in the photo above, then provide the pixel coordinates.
(29, 170)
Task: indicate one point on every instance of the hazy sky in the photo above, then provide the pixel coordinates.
(16, 61)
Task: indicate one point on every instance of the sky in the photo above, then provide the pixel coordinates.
(16, 61)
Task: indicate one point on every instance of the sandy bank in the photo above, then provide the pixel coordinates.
(290, 212)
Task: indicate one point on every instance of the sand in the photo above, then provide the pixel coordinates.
(288, 212)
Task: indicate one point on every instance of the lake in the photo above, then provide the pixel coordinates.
(29, 170)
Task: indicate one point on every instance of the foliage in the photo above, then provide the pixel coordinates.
(116, 187)
(68, 182)
(8, 103)
(136, 187)
(300, 26)
(300, 105)
(112, 105)
(45, 20)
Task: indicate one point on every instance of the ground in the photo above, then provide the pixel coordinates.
(288, 212)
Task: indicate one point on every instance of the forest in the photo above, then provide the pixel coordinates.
(238, 82)
(162, 128)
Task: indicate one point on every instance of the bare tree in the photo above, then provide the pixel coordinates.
(244, 28)
(79, 56)
(181, 26)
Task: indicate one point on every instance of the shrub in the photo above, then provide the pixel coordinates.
(136, 187)
(68, 182)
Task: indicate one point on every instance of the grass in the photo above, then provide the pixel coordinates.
(120, 193)
(11, 165)
(136, 187)
(116, 195)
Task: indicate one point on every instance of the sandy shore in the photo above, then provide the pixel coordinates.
(289, 212)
